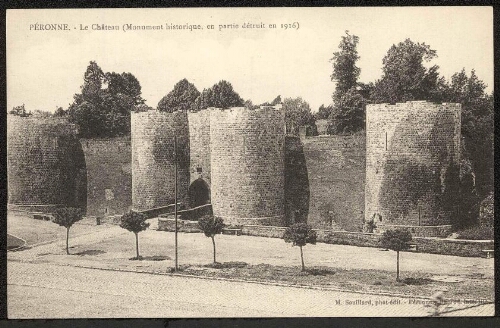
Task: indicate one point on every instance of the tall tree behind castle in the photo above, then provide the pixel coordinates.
(182, 97)
(405, 77)
(220, 95)
(103, 107)
(348, 111)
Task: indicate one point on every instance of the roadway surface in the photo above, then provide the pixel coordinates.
(53, 291)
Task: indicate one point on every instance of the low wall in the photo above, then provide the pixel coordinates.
(442, 231)
(456, 247)
(168, 224)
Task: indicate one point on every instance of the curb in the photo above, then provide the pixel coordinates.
(267, 283)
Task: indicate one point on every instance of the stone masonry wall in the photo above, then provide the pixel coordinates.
(296, 182)
(456, 247)
(247, 164)
(199, 138)
(336, 170)
(152, 136)
(412, 162)
(109, 175)
(45, 163)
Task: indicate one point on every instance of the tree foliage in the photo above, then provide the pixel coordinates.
(477, 125)
(300, 234)
(275, 102)
(323, 112)
(20, 111)
(345, 72)
(220, 95)
(348, 112)
(404, 76)
(396, 240)
(66, 217)
(60, 112)
(297, 114)
(103, 107)
(182, 97)
(134, 222)
(211, 226)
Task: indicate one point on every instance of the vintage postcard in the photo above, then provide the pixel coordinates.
(250, 162)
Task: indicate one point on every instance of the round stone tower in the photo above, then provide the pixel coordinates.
(412, 165)
(153, 165)
(45, 164)
(247, 165)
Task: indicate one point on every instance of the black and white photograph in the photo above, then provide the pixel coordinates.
(250, 162)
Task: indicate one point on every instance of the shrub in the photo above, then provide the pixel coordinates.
(134, 222)
(66, 217)
(477, 233)
(300, 234)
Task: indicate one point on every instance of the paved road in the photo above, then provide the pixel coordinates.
(52, 291)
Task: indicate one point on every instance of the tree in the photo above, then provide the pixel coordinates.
(103, 107)
(60, 112)
(396, 240)
(345, 72)
(323, 112)
(211, 226)
(182, 97)
(404, 76)
(124, 84)
(134, 222)
(220, 95)
(477, 126)
(297, 114)
(300, 234)
(66, 217)
(348, 112)
(20, 111)
(249, 104)
(276, 101)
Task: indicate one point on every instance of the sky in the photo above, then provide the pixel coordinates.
(45, 67)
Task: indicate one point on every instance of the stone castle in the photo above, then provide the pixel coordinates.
(405, 171)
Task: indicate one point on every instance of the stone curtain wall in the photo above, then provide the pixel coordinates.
(247, 164)
(412, 162)
(336, 170)
(109, 175)
(199, 138)
(152, 137)
(296, 182)
(45, 163)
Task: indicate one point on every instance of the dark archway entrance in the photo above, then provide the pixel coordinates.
(199, 193)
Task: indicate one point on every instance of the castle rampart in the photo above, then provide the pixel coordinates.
(412, 163)
(247, 165)
(153, 166)
(45, 163)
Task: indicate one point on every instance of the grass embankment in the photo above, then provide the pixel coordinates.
(413, 284)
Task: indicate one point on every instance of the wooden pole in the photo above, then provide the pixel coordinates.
(175, 201)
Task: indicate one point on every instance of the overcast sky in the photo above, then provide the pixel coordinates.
(45, 68)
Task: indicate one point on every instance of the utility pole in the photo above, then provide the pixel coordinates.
(175, 200)
(419, 214)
